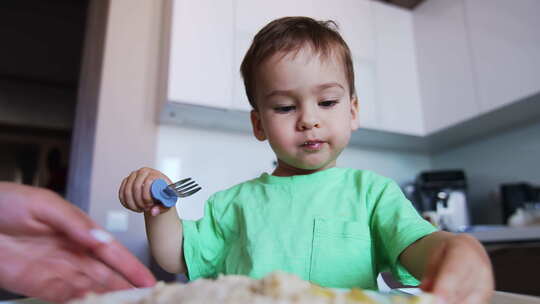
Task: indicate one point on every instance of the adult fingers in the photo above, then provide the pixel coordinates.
(81, 284)
(72, 285)
(63, 217)
(120, 269)
(57, 291)
(119, 259)
(56, 278)
(108, 279)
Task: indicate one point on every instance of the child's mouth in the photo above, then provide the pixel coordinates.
(312, 145)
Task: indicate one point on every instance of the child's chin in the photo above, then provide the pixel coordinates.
(312, 166)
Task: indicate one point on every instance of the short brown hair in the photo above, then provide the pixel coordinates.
(291, 34)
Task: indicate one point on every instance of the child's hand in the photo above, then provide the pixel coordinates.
(134, 192)
(459, 271)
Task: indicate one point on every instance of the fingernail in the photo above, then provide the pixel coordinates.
(154, 212)
(101, 236)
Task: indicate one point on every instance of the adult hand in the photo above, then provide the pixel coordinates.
(51, 250)
(459, 271)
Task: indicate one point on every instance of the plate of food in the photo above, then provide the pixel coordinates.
(277, 287)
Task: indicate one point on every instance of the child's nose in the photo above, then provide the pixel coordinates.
(308, 120)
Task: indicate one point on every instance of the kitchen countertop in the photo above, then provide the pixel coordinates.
(501, 234)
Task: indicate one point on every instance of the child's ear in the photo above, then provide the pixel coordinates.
(256, 124)
(355, 121)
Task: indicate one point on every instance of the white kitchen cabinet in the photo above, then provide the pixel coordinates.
(365, 83)
(355, 22)
(397, 89)
(201, 53)
(444, 64)
(505, 44)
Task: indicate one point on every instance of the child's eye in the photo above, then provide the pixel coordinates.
(284, 109)
(328, 103)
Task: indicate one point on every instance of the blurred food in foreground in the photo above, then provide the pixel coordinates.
(277, 287)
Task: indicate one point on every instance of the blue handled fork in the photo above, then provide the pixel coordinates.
(169, 194)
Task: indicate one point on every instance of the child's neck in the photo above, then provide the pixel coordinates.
(284, 169)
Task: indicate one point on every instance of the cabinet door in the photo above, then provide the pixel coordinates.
(444, 64)
(398, 96)
(505, 44)
(201, 53)
(355, 21)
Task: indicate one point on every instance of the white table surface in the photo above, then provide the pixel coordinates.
(499, 298)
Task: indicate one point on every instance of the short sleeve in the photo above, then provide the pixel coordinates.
(203, 244)
(395, 225)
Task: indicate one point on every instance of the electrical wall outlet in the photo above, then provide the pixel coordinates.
(116, 221)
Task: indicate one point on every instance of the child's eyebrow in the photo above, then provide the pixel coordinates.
(318, 88)
(328, 85)
(279, 93)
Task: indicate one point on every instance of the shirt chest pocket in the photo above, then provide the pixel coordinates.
(341, 254)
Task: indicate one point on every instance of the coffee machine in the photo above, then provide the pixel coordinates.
(442, 197)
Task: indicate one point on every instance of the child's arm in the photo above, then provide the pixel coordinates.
(455, 267)
(165, 236)
(163, 226)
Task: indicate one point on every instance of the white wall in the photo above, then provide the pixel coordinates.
(218, 160)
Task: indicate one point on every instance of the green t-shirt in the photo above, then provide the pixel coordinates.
(337, 228)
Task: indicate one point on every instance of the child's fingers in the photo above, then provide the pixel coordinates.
(168, 180)
(128, 193)
(467, 284)
(138, 184)
(481, 295)
(477, 286)
(449, 280)
(475, 298)
(121, 192)
(157, 210)
(146, 194)
(432, 268)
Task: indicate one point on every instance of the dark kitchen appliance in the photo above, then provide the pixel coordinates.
(516, 195)
(443, 194)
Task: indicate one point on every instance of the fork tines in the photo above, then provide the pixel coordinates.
(180, 182)
(185, 187)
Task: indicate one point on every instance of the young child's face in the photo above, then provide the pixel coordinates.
(305, 110)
